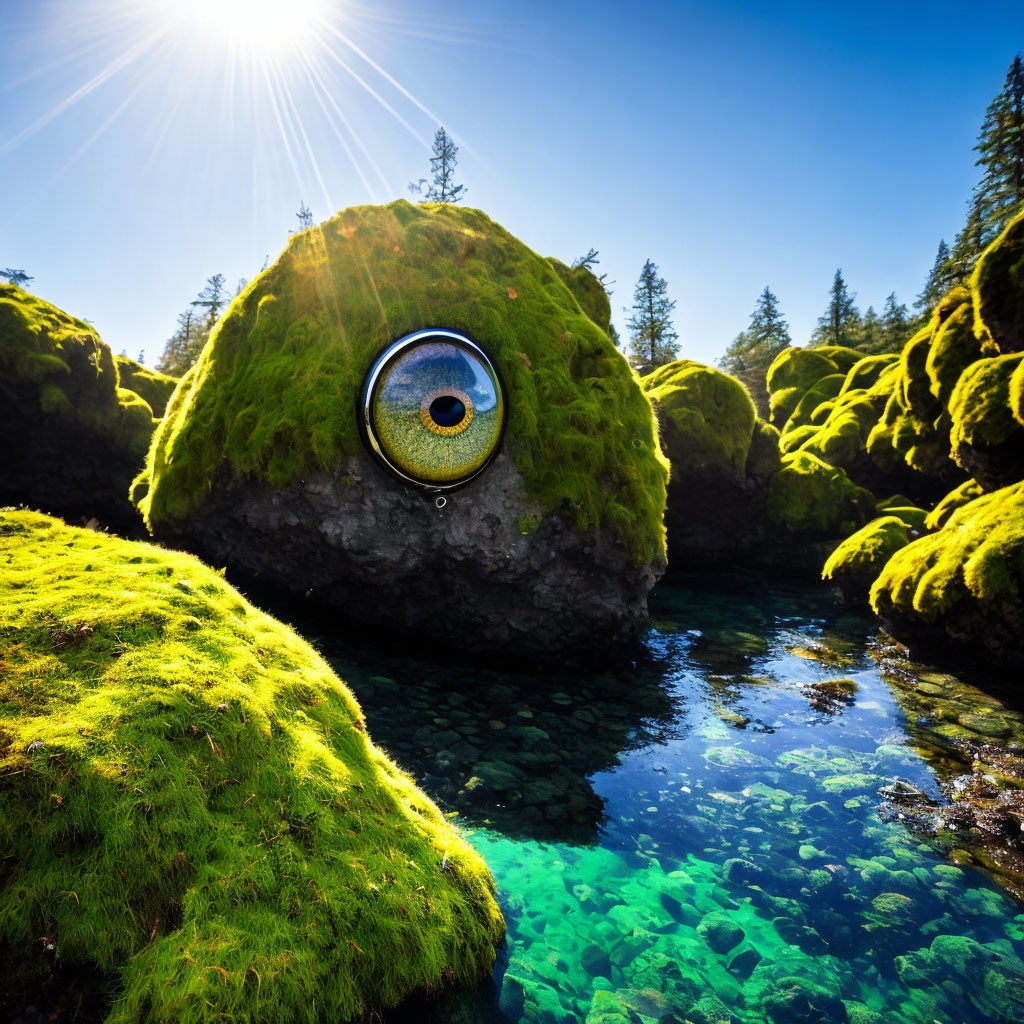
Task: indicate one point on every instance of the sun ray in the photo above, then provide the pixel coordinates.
(132, 54)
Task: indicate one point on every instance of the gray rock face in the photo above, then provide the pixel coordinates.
(466, 573)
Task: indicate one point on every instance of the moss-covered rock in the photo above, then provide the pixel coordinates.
(793, 371)
(259, 462)
(708, 425)
(856, 562)
(810, 497)
(987, 441)
(963, 584)
(189, 802)
(959, 496)
(151, 385)
(72, 437)
(997, 292)
(588, 292)
(816, 402)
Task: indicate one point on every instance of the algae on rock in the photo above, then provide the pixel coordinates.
(191, 803)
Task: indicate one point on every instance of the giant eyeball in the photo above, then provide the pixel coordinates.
(433, 409)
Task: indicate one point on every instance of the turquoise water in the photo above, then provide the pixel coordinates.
(696, 835)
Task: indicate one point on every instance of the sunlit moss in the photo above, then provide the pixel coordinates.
(588, 292)
(807, 494)
(856, 562)
(959, 496)
(976, 558)
(707, 417)
(997, 291)
(152, 385)
(189, 801)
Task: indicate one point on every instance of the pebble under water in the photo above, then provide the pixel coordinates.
(698, 836)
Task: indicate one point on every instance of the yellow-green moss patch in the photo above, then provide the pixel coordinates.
(189, 801)
(152, 385)
(856, 562)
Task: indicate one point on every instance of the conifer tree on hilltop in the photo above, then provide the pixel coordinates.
(441, 188)
(652, 336)
(754, 349)
(15, 276)
(840, 324)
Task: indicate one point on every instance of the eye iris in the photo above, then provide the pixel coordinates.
(433, 408)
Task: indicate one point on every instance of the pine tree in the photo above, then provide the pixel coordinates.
(754, 350)
(1000, 192)
(142, 358)
(870, 337)
(441, 188)
(840, 323)
(305, 216)
(652, 336)
(183, 347)
(212, 298)
(896, 326)
(589, 261)
(18, 277)
(939, 277)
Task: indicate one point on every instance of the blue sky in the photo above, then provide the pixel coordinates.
(735, 144)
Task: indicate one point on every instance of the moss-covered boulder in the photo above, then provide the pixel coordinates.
(737, 494)
(189, 803)
(962, 586)
(810, 497)
(259, 463)
(997, 292)
(794, 371)
(987, 441)
(73, 437)
(152, 386)
(856, 562)
(708, 427)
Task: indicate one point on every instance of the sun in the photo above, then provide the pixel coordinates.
(256, 28)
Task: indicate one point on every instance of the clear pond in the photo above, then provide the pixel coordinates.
(698, 836)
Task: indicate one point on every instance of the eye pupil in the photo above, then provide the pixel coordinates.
(447, 411)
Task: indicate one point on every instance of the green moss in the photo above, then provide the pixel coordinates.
(206, 818)
(53, 365)
(1017, 394)
(856, 562)
(842, 357)
(588, 292)
(152, 385)
(821, 391)
(792, 440)
(706, 417)
(914, 386)
(980, 404)
(793, 371)
(977, 557)
(958, 497)
(764, 457)
(76, 438)
(953, 348)
(866, 372)
(274, 393)
(808, 495)
(997, 291)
